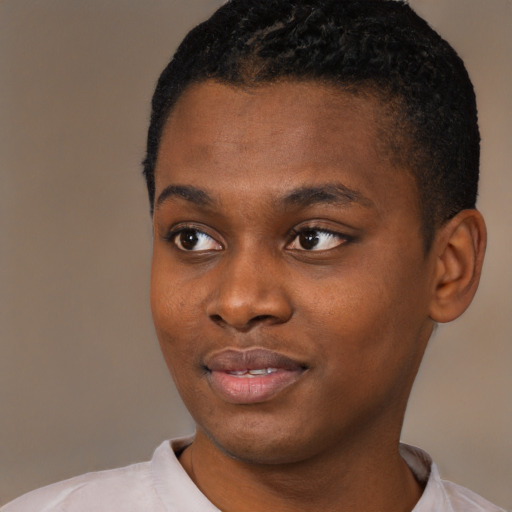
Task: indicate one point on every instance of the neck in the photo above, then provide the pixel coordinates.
(349, 478)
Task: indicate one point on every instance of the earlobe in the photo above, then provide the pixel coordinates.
(459, 251)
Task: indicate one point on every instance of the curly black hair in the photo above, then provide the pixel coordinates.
(377, 46)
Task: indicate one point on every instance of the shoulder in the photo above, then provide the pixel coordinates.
(92, 491)
(465, 500)
(128, 489)
(158, 485)
(441, 495)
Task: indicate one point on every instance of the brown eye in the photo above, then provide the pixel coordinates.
(309, 239)
(316, 240)
(194, 240)
(188, 239)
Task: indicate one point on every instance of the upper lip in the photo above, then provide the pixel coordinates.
(251, 359)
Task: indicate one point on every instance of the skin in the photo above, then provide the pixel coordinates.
(247, 182)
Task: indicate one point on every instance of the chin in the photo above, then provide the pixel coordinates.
(268, 452)
(264, 442)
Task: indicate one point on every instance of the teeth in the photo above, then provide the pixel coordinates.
(263, 371)
(256, 372)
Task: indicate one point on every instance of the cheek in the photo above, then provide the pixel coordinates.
(175, 318)
(175, 312)
(368, 315)
(173, 298)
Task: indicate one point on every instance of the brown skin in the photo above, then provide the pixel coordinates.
(356, 310)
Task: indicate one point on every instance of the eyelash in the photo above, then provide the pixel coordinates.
(339, 238)
(336, 237)
(173, 237)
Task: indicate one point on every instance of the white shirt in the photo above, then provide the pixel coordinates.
(162, 485)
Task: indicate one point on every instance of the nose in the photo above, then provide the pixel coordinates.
(249, 291)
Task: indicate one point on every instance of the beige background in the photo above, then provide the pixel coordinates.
(82, 385)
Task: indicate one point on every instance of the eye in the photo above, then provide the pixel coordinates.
(190, 239)
(311, 239)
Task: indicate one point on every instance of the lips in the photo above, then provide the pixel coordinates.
(251, 376)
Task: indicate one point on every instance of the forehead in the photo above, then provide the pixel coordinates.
(286, 134)
(278, 119)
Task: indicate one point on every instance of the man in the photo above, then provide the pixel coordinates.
(312, 169)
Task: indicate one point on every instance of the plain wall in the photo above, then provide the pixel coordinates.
(82, 383)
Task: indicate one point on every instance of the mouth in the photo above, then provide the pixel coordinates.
(251, 376)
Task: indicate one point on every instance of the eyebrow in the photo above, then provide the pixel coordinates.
(334, 193)
(187, 192)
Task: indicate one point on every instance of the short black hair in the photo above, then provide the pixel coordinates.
(377, 46)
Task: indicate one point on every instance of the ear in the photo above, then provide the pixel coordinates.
(459, 251)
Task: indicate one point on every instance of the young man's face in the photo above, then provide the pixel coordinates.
(290, 285)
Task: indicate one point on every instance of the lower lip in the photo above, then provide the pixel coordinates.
(254, 389)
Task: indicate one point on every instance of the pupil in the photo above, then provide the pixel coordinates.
(188, 239)
(309, 239)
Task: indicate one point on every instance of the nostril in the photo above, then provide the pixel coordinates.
(244, 308)
(242, 325)
(217, 319)
(260, 318)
